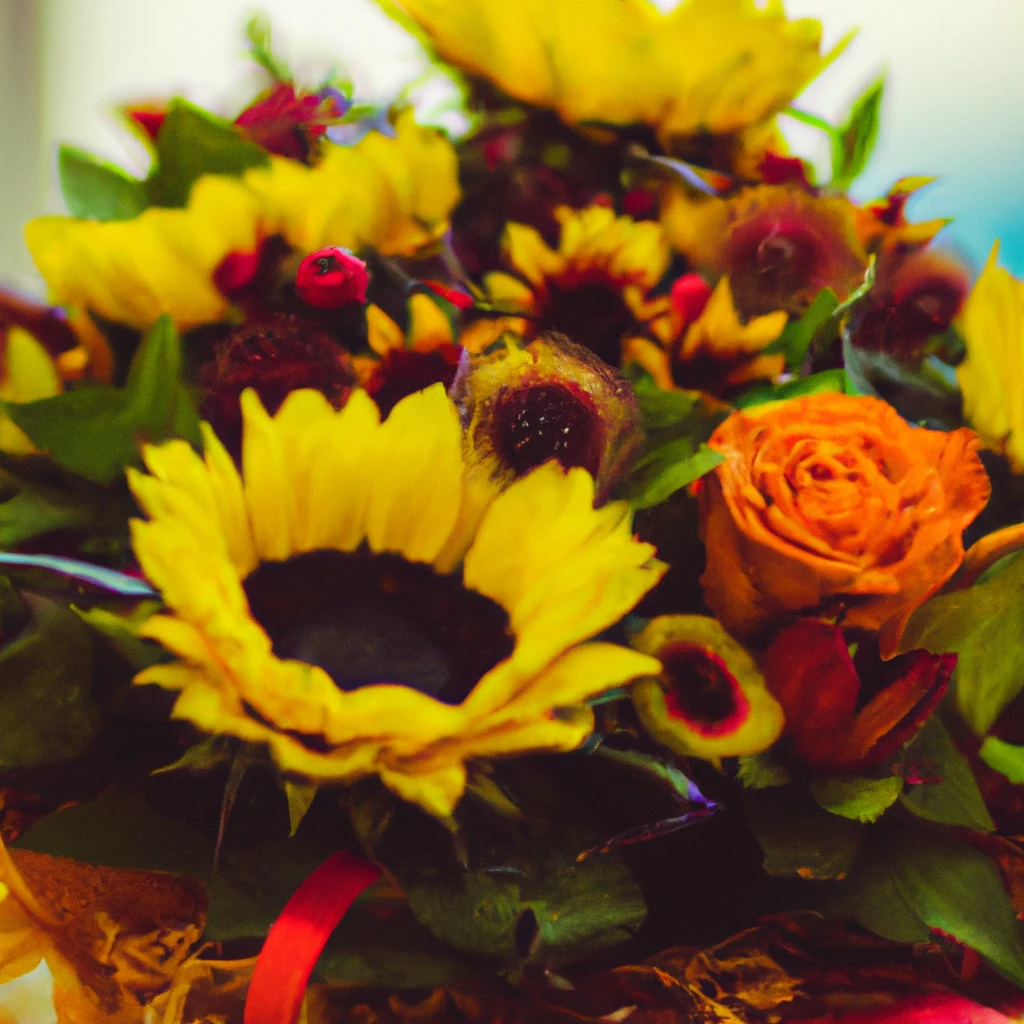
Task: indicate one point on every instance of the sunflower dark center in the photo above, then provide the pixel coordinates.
(593, 315)
(367, 619)
(701, 689)
(533, 423)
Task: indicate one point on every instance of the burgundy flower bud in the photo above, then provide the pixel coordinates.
(331, 278)
(689, 296)
(551, 399)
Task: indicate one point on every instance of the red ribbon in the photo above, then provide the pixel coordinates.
(299, 935)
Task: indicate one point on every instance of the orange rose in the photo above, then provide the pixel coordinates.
(834, 506)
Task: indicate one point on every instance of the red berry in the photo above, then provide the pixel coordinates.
(689, 295)
(331, 278)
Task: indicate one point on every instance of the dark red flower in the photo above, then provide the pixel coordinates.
(286, 123)
(915, 297)
(331, 278)
(275, 355)
(639, 203)
(404, 371)
(844, 712)
(784, 170)
(783, 245)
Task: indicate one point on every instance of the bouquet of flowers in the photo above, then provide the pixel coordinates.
(590, 538)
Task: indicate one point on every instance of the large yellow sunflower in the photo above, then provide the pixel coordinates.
(593, 287)
(360, 604)
(393, 194)
(708, 67)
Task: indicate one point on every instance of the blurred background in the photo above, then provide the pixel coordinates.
(954, 102)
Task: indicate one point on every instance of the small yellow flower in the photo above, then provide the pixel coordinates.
(708, 67)
(992, 376)
(593, 287)
(718, 352)
(391, 194)
(361, 604)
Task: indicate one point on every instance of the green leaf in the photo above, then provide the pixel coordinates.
(257, 31)
(795, 340)
(37, 498)
(854, 140)
(799, 838)
(908, 883)
(97, 189)
(524, 894)
(855, 798)
(677, 424)
(47, 714)
(828, 381)
(193, 142)
(1006, 758)
(667, 469)
(203, 756)
(380, 944)
(96, 431)
(762, 771)
(980, 625)
(956, 800)
(120, 829)
(120, 632)
(300, 797)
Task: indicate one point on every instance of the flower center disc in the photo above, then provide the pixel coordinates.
(368, 619)
(537, 422)
(593, 315)
(702, 691)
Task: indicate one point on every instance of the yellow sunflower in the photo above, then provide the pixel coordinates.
(708, 67)
(393, 194)
(992, 376)
(362, 605)
(593, 287)
(717, 352)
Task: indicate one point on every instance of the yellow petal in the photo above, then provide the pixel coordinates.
(417, 452)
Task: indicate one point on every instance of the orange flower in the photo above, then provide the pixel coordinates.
(833, 506)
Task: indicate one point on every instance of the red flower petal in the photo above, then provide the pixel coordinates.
(299, 935)
(809, 671)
